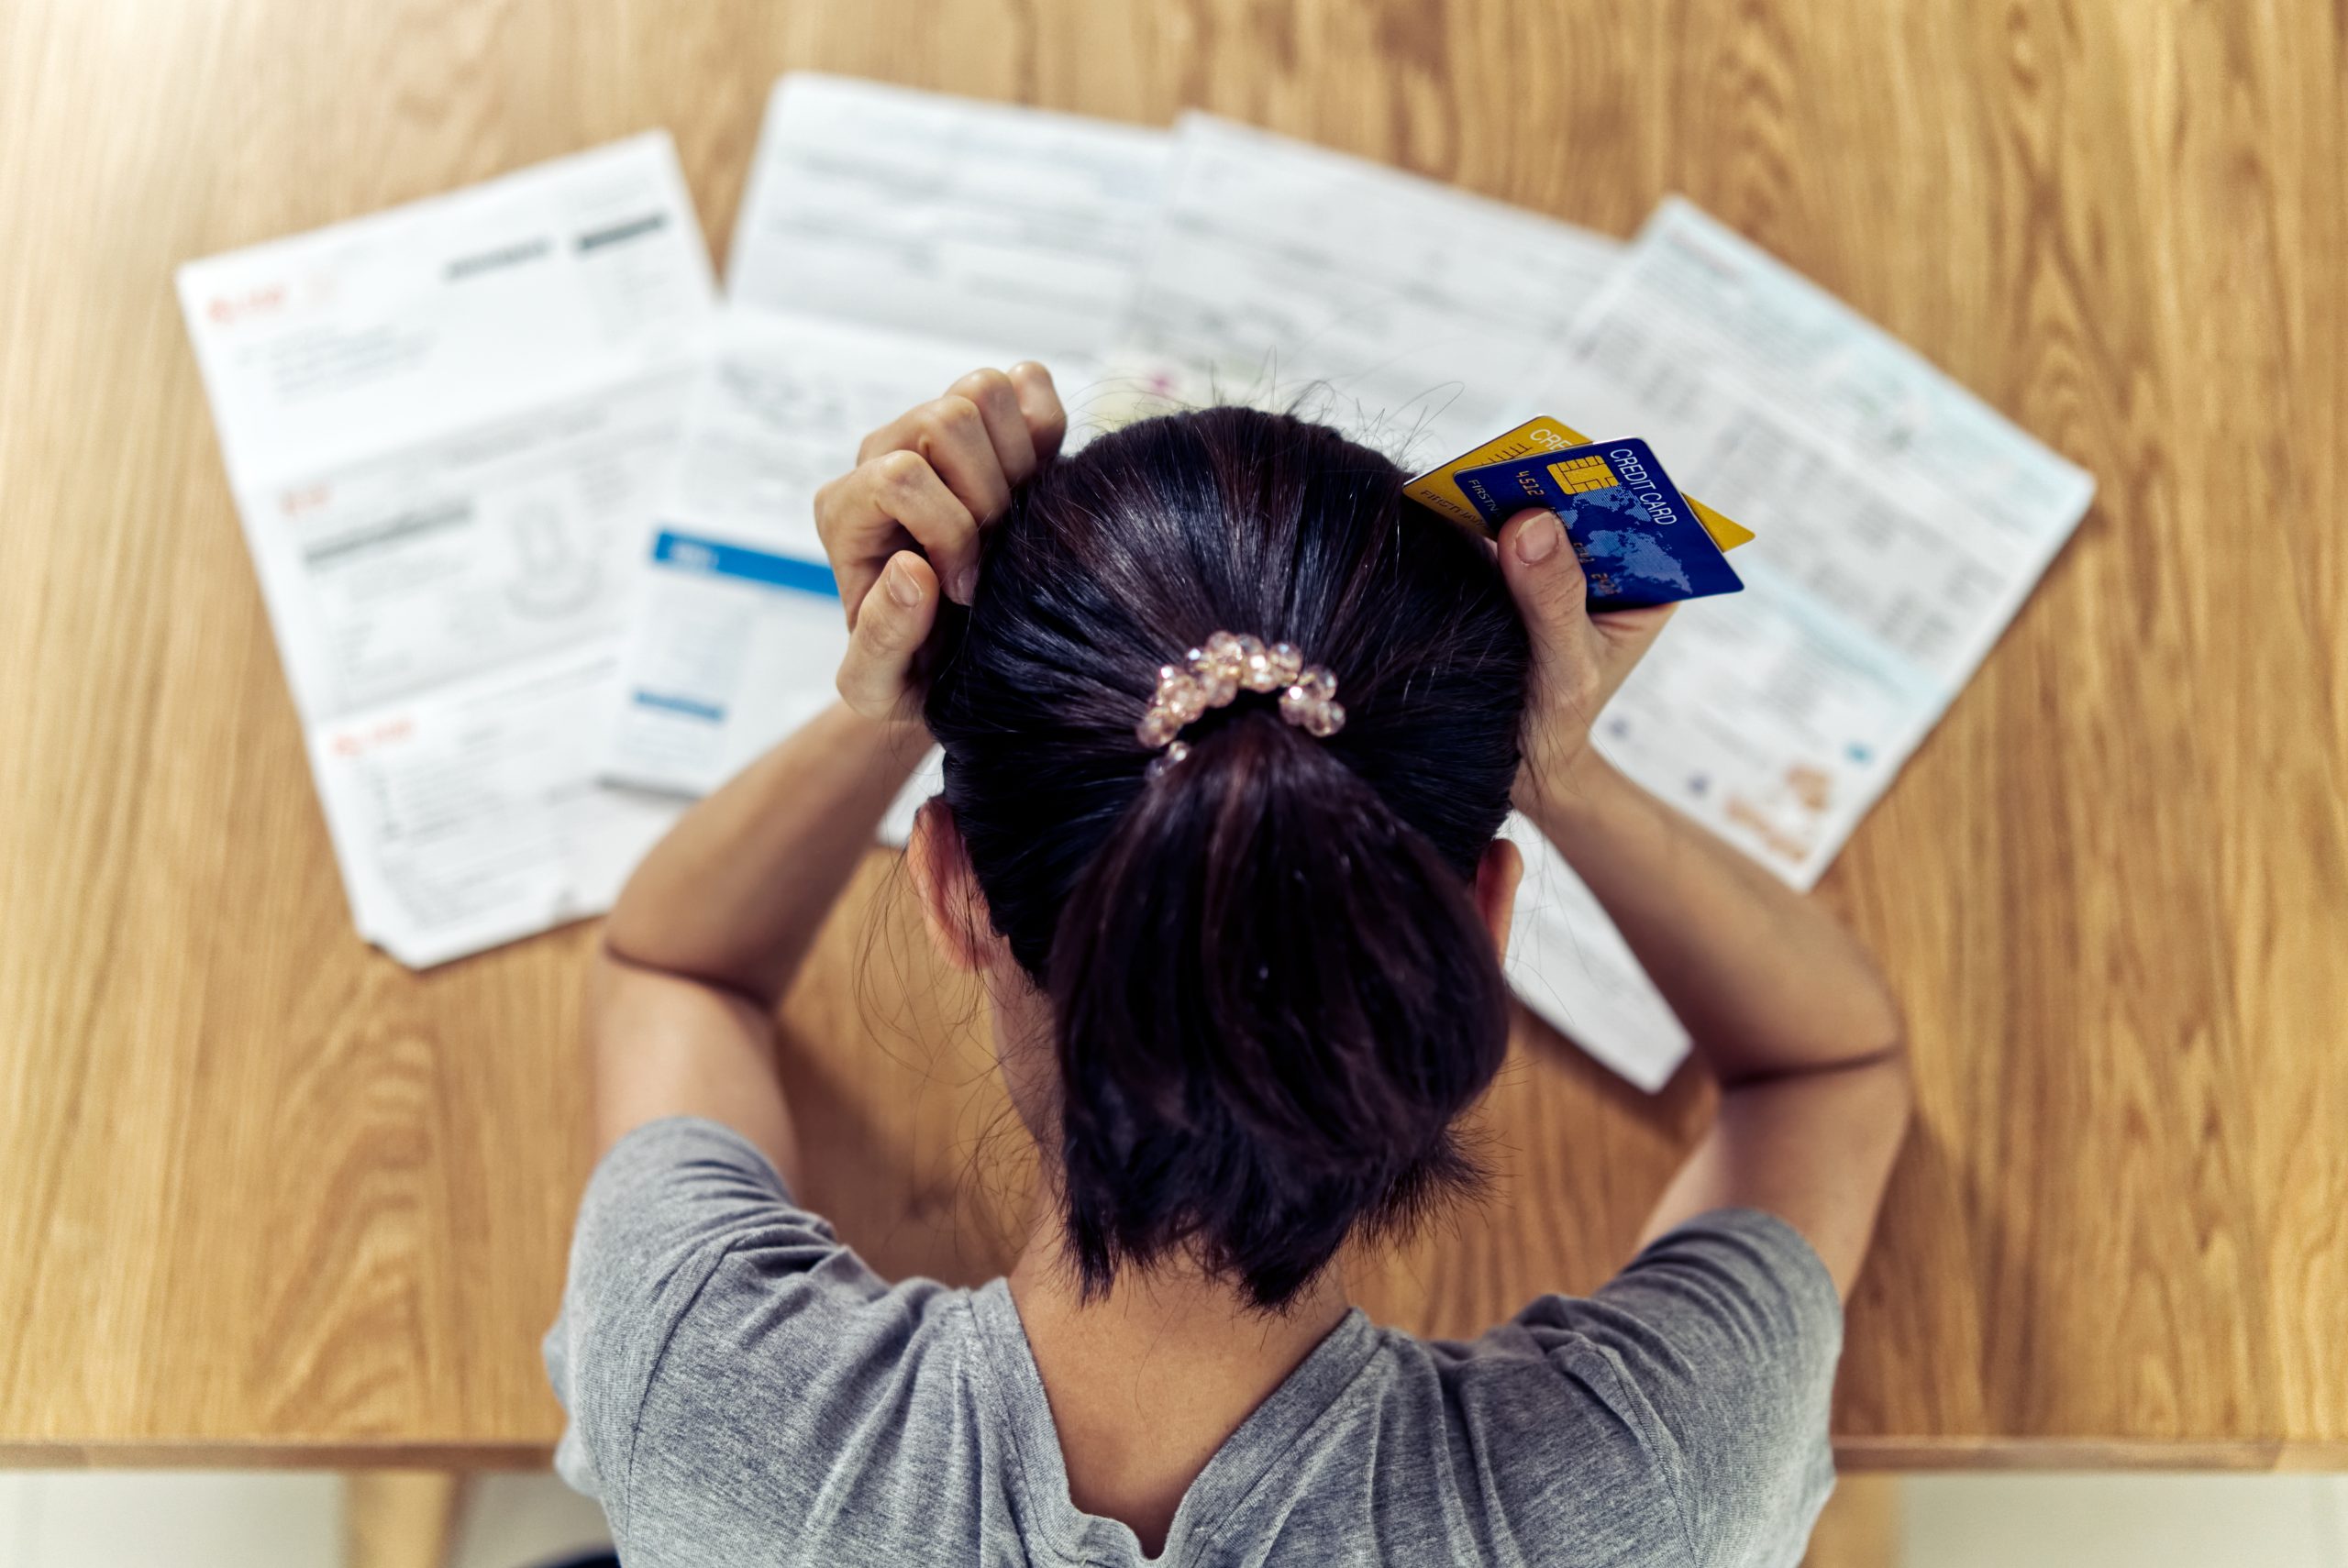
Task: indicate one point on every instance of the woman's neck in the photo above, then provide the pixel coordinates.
(1147, 1383)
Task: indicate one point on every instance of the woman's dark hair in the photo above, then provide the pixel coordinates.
(1272, 992)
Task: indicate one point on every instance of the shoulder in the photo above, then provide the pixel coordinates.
(671, 1202)
(706, 1312)
(1734, 1294)
(778, 1402)
(1687, 1399)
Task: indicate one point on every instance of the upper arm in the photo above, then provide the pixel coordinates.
(664, 1045)
(1815, 1149)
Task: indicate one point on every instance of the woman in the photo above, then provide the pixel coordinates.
(1239, 919)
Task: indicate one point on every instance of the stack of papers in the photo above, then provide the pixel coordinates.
(532, 509)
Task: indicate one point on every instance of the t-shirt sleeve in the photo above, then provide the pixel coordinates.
(668, 1203)
(1717, 1346)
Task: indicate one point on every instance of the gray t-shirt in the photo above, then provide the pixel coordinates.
(743, 1390)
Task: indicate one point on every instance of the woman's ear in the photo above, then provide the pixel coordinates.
(1497, 876)
(951, 905)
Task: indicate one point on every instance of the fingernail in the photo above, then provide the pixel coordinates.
(901, 586)
(1538, 540)
(965, 585)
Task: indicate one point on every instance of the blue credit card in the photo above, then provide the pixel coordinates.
(1638, 539)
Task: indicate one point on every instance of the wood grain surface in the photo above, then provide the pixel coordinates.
(265, 1197)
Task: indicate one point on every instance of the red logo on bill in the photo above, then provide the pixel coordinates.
(227, 308)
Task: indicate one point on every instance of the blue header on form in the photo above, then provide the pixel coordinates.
(686, 553)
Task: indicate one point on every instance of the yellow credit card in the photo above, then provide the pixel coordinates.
(1726, 531)
(1434, 489)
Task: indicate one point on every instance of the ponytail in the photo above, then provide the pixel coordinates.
(1273, 999)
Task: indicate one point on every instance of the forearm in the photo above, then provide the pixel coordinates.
(735, 892)
(1765, 981)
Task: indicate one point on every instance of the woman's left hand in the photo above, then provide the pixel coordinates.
(1580, 660)
(907, 518)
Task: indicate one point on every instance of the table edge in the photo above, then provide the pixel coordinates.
(294, 1453)
(1878, 1454)
(1895, 1454)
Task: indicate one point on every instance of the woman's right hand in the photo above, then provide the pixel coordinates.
(907, 517)
(1579, 659)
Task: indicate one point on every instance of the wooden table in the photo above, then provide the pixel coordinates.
(267, 1198)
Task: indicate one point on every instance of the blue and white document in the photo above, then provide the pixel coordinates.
(889, 242)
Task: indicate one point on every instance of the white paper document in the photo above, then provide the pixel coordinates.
(1568, 963)
(1901, 523)
(947, 218)
(890, 241)
(1408, 314)
(444, 426)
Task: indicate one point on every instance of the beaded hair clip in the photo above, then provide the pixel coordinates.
(1216, 672)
